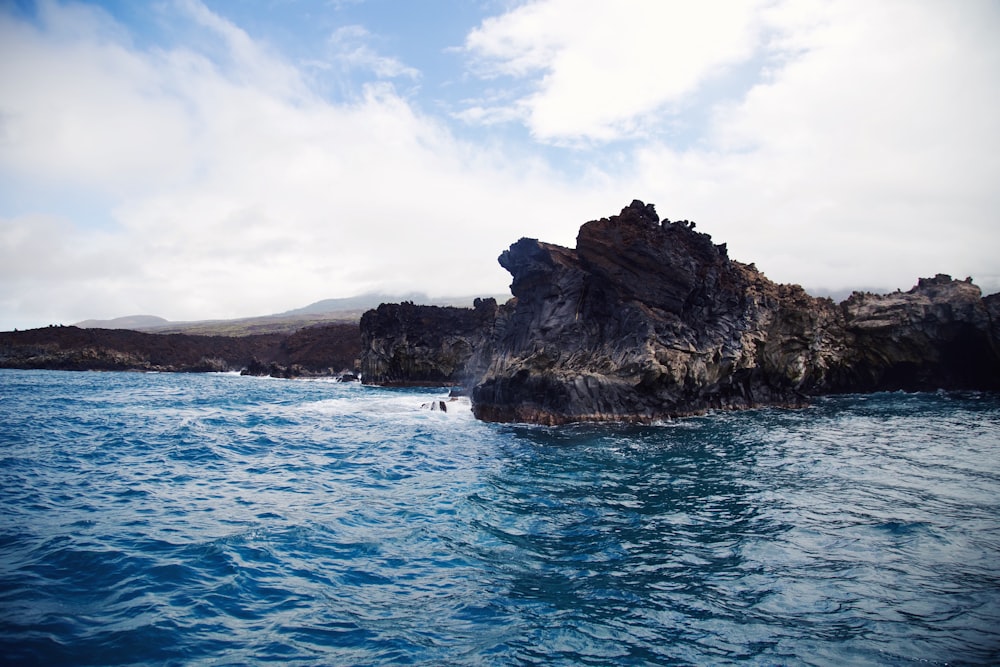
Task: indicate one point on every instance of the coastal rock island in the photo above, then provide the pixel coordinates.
(648, 319)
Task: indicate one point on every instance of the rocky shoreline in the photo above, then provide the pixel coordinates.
(645, 319)
(648, 319)
(329, 350)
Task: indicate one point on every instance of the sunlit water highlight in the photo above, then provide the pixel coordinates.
(217, 519)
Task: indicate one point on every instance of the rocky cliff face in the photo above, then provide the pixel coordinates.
(406, 344)
(321, 350)
(641, 321)
(646, 320)
(940, 334)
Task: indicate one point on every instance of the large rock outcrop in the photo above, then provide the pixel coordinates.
(939, 335)
(404, 344)
(646, 320)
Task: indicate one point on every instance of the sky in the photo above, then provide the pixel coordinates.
(205, 159)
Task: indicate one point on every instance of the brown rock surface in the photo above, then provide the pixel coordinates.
(647, 320)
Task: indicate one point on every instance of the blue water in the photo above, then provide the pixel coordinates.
(216, 519)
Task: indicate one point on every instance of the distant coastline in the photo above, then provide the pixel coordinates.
(323, 350)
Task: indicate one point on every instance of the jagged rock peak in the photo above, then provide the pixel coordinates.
(641, 211)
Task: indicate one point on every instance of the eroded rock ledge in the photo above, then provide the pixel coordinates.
(648, 319)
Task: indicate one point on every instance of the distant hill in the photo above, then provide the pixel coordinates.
(327, 311)
(136, 322)
(361, 302)
(841, 294)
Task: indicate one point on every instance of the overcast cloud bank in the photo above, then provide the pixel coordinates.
(207, 174)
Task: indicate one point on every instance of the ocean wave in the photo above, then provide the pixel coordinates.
(217, 519)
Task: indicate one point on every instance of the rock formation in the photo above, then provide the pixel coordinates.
(939, 335)
(646, 320)
(321, 350)
(643, 320)
(405, 344)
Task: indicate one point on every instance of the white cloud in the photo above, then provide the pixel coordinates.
(351, 50)
(68, 118)
(864, 153)
(856, 146)
(48, 265)
(604, 68)
(867, 156)
(235, 190)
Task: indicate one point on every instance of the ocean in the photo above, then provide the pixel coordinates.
(173, 519)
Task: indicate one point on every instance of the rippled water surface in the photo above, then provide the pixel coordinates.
(215, 519)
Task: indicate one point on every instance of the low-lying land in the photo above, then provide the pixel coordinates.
(330, 349)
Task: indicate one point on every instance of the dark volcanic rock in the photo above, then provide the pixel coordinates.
(322, 350)
(939, 335)
(328, 350)
(406, 344)
(644, 321)
(72, 348)
(992, 303)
